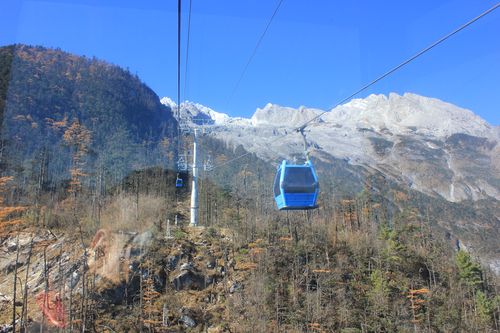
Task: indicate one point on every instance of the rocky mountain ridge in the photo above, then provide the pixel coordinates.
(435, 147)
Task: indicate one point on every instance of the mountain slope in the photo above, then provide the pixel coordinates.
(49, 97)
(437, 148)
(445, 158)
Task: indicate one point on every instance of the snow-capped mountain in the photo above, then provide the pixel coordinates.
(197, 114)
(434, 147)
(423, 144)
(409, 113)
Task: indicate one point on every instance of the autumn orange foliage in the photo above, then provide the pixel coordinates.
(78, 137)
(315, 327)
(57, 125)
(416, 303)
(244, 266)
(9, 216)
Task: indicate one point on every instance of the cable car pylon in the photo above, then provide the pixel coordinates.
(194, 187)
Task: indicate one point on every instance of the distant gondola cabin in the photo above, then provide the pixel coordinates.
(179, 182)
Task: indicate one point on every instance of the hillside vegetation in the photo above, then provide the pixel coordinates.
(66, 116)
(95, 238)
(242, 271)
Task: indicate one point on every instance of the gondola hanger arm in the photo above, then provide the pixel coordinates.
(306, 145)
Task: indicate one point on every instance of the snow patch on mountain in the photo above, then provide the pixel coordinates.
(279, 116)
(396, 114)
(168, 102)
(197, 113)
(409, 113)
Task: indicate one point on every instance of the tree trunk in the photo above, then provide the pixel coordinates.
(15, 288)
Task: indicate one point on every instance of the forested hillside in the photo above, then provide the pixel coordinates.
(95, 238)
(69, 117)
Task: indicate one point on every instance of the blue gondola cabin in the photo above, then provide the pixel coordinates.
(296, 187)
(179, 182)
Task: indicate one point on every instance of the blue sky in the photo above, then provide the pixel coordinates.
(315, 52)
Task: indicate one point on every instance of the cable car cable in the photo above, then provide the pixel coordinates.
(254, 52)
(179, 60)
(178, 181)
(179, 12)
(187, 49)
(425, 50)
(180, 166)
(391, 71)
